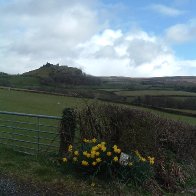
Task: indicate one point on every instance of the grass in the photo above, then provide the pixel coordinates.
(155, 93)
(41, 170)
(36, 103)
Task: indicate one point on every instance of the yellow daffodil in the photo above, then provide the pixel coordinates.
(76, 153)
(115, 159)
(94, 140)
(151, 160)
(94, 163)
(88, 155)
(70, 148)
(85, 163)
(140, 156)
(64, 159)
(103, 143)
(103, 148)
(97, 153)
(115, 146)
(98, 160)
(117, 150)
(94, 148)
(86, 141)
(109, 154)
(93, 152)
(75, 159)
(143, 159)
(85, 153)
(99, 145)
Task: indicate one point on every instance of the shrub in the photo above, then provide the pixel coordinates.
(136, 129)
(107, 162)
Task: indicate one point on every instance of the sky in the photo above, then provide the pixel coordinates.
(143, 38)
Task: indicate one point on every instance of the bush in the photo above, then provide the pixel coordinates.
(171, 142)
(135, 129)
(107, 162)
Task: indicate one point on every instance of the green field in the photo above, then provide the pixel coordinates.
(34, 103)
(155, 93)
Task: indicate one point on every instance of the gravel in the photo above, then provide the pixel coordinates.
(9, 186)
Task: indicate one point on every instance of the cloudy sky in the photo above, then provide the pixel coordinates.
(140, 38)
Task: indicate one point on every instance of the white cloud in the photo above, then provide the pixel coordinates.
(38, 31)
(132, 54)
(34, 32)
(181, 33)
(166, 10)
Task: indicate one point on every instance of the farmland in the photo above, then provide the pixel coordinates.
(24, 101)
(35, 103)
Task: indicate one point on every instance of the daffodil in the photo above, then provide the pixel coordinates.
(98, 160)
(151, 160)
(115, 159)
(99, 145)
(93, 153)
(97, 153)
(76, 153)
(95, 148)
(64, 159)
(140, 156)
(117, 150)
(86, 141)
(85, 163)
(88, 155)
(103, 143)
(70, 148)
(143, 159)
(94, 163)
(85, 153)
(109, 154)
(94, 140)
(103, 148)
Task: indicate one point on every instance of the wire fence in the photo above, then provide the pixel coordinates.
(29, 133)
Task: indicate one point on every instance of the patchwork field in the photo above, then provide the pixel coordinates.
(35, 103)
(155, 93)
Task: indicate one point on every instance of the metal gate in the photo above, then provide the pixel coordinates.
(29, 133)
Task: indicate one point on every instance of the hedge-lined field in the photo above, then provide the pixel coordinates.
(35, 103)
(155, 93)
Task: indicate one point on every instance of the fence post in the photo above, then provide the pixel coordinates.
(38, 134)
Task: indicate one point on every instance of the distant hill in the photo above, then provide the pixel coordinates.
(55, 74)
(52, 78)
(3, 74)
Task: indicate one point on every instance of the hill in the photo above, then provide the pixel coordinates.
(50, 74)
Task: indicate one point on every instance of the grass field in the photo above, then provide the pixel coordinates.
(155, 93)
(34, 103)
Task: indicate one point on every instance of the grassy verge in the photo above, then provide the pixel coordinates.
(42, 171)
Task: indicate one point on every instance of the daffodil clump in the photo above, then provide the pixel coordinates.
(95, 158)
(92, 155)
